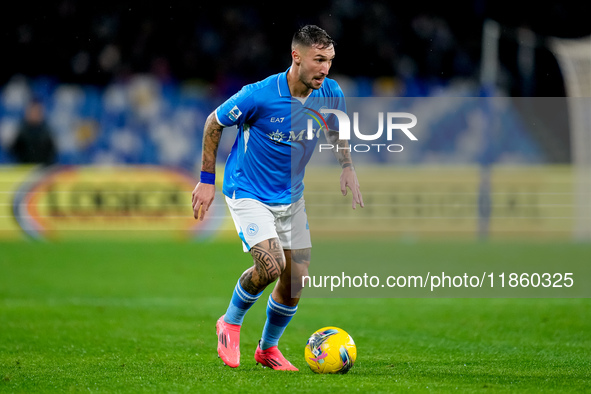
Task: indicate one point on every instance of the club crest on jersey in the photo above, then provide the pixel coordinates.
(234, 113)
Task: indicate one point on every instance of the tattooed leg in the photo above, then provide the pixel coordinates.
(269, 263)
(288, 289)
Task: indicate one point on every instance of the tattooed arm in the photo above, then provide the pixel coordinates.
(341, 149)
(342, 152)
(204, 193)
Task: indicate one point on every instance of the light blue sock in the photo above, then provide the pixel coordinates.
(240, 304)
(278, 317)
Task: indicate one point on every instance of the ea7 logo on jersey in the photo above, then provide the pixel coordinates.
(277, 120)
(234, 114)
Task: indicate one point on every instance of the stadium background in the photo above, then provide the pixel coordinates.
(127, 87)
(126, 84)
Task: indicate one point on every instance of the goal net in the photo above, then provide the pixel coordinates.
(574, 59)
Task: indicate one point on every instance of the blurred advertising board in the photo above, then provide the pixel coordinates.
(443, 202)
(406, 202)
(120, 202)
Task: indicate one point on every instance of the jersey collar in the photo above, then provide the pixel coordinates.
(282, 85)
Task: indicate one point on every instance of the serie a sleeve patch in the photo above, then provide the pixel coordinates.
(234, 113)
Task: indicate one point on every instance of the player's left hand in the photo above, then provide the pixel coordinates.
(349, 180)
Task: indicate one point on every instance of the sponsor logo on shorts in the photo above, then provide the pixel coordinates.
(252, 229)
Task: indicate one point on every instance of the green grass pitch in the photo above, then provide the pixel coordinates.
(140, 317)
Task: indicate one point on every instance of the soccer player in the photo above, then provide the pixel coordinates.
(263, 186)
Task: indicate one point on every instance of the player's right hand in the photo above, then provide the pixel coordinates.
(202, 198)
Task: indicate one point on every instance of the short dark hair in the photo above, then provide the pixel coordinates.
(312, 35)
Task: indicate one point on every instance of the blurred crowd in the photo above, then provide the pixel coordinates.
(114, 73)
(83, 42)
(92, 43)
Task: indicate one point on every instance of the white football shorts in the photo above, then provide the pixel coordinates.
(256, 221)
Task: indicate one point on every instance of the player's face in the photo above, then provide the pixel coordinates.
(314, 65)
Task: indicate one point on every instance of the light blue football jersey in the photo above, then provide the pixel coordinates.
(267, 161)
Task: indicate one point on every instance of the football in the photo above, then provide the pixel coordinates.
(330, 350)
